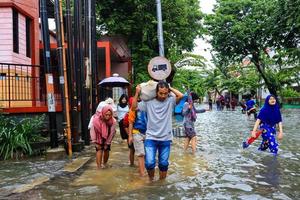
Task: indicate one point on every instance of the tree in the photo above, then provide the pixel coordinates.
(286, 21)
(136, 21)
(240, 28)
(189, 79)
(191, 60)
(213, 80)
(236, 77)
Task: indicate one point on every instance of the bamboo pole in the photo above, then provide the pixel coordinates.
(68, 128)
(64, 82)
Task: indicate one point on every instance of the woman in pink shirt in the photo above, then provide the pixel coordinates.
(102, 132)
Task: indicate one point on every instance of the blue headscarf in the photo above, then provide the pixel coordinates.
(270, 114)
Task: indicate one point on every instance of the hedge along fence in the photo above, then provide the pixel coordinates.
(287, 102)
(291, 100)
(17, 136)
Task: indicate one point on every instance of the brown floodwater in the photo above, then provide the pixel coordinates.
(220, 169)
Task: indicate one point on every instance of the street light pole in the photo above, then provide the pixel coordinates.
(160, 28)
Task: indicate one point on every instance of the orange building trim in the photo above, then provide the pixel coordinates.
(106, 45)
(13, 5)
(39, 109)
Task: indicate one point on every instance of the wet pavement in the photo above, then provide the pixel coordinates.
(221, 169)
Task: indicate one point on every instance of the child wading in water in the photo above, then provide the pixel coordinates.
(129, 143)
(267, 118)
(189, 113)
(137, 133)
(102, 132)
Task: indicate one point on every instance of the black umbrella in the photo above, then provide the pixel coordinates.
(114, 81)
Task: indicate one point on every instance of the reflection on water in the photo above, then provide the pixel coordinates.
(221, 169)
(270, 172)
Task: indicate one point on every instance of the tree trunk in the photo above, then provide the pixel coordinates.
(271, 87)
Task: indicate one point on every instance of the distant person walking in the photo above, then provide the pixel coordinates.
(189, 113)
(233, 103)
(222, 102)
(242, 103)
(218, 103)
(159, 127)
(210, 103)
(251, 108)
(227, 103)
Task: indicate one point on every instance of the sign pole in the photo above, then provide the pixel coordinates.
(160, 29)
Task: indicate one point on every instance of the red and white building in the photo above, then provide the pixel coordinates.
(22, 81)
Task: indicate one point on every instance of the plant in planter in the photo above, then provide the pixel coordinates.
(16, 135)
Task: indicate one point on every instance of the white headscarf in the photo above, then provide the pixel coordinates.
(108, 101)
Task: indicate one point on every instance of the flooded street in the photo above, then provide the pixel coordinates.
(221, 169)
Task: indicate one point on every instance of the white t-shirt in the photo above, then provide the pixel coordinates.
(122, 112)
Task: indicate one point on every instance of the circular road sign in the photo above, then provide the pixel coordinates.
(159, 68)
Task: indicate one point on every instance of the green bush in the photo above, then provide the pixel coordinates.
(16, 135)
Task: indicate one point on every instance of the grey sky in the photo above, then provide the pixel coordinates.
(202, 47)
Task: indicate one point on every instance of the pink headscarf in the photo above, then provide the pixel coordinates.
(101, 126)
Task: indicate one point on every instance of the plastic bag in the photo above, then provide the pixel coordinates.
(148, 90)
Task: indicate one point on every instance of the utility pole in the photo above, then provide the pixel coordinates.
(87, 54)
(83, 96)
(71, 74)
(93, 52)
(79, 66)
(160, 29)
(48, 74)
(63, 73)
(76, 58)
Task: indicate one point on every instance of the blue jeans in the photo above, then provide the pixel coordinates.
(163, 148)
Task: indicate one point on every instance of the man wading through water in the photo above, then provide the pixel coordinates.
(159, 126)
